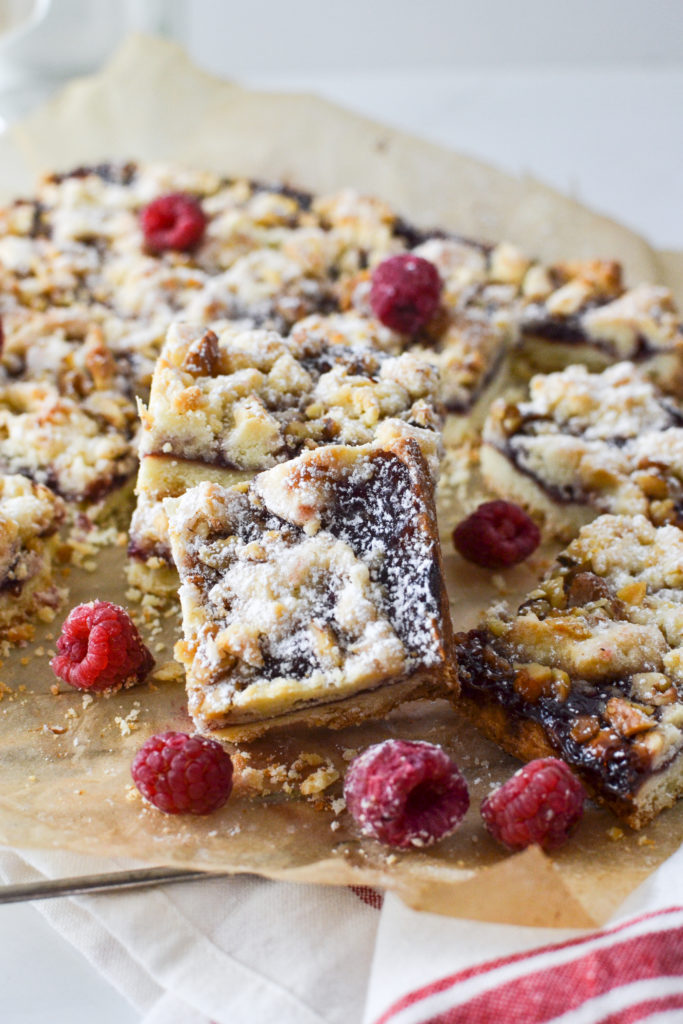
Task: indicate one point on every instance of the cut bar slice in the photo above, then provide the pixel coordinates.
(580, 312)
(226, 406)
(315, 594)
(30, 516)
(591, 666)
(83, 449)
(585, 443)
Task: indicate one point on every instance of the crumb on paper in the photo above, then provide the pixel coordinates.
(56, 730)
(500, 583)
(86, 700)
(4, 688)
(319, 780)
(54, 690)
(169, 671)
(646, 841)
(132, 793)
(314, 760)
(615, 834)
(130, 723)
(348, 753)
(334, 825)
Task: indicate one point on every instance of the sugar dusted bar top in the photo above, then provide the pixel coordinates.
(313, 594)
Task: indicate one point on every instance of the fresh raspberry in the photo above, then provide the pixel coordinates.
(405, 793)
(541, 803)
(100, 649)
(183, 774)
(173, 221)
(405, 291)
(497, 535)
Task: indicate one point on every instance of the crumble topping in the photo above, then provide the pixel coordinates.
(612, 440)
(249, 398)
(76, 448)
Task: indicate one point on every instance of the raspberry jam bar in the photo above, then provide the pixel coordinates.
(591, 666)
(226, 406)
(313, 594)
(581, 313)
(30, 516)
(585, 443)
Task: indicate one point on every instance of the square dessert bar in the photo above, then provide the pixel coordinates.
(590, 668)
(30, 516)
(226, 406)
(584, 443)
(581, 312)
(313, 594)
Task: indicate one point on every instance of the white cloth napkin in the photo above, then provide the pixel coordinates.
(247, 951)
(238, 950)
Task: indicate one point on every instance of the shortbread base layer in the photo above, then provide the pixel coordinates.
(538, 355)
(562, 520)
(154, 576)
(167, 476)
(160, 477)
(350, 710)
(527, 740)
(461, 425)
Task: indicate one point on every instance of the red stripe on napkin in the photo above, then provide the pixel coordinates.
(645, 1009)
(544, 992)
(373, 897)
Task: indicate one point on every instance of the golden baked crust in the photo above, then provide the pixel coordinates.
(315, 593)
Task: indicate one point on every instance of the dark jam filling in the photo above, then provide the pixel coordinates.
(117, 174)
(568, 330)
(318, 358)
(487, 676)
(303, 199)
(385, 511)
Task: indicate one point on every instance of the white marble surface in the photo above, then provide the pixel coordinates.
(610, 137)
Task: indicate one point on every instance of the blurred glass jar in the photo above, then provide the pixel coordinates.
(44, 43)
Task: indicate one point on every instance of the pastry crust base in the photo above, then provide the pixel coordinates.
(527, 740)
(338, 714)
(562, 519)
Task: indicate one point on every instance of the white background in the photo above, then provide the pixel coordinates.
(586, 95)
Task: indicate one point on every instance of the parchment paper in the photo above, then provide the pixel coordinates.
(65, 766)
